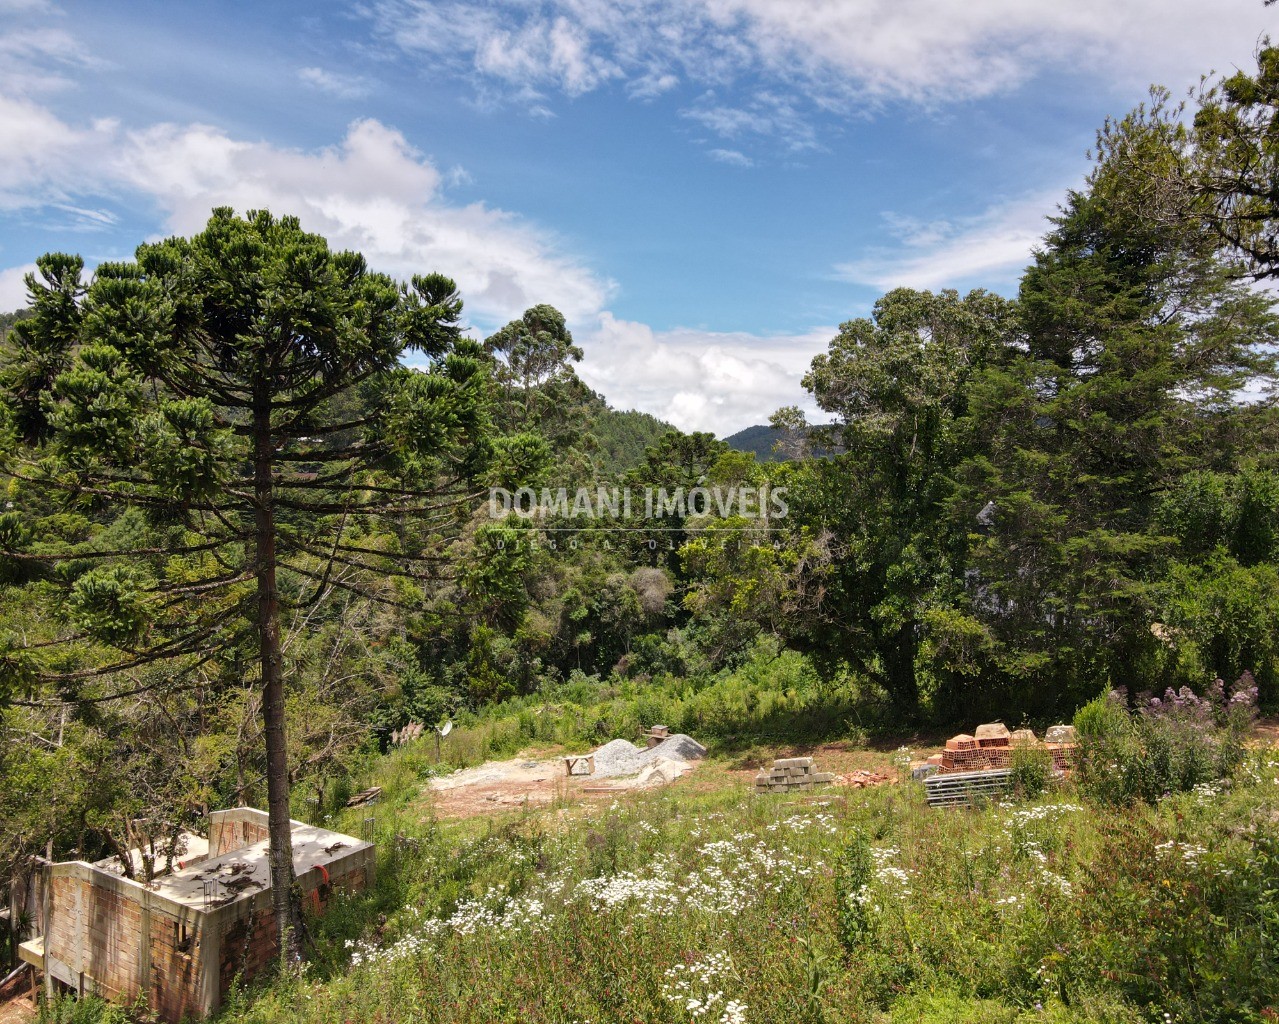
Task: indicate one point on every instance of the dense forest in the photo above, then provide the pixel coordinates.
(242, 542)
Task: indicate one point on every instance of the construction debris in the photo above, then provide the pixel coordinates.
(791, 773)
(365, 797)
(862, 779)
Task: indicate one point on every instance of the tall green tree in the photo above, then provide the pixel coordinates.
(1233, 165)
(873, 518)
(1140, 342)
(240, 393)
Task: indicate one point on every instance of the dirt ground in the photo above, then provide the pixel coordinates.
(1267, 730)
(497, 786)
(17, 1011)
(16, 1008)
(500, 786)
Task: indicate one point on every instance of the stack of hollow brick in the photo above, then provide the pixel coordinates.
(791, 773)
(993, 744)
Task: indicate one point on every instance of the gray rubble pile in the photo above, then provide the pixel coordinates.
(620, 757)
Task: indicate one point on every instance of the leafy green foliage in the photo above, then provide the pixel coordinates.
(1030, 769)
(1169, 744)
(853, 879)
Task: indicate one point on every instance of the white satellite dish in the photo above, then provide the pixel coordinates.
(440, 732)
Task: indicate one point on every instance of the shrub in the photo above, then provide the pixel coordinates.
(1030, 769)
(1164, 745)
(1102, 718)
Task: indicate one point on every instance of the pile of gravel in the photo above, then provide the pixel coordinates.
(619, 757)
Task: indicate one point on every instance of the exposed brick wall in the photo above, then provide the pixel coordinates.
(232, 834)
(98, 932)
(175, 959)
(249, 943)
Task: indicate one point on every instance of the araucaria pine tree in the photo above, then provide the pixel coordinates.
(220, 428)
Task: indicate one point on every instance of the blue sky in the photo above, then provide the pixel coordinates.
(706, 188)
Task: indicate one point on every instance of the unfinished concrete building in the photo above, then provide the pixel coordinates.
(181, 940)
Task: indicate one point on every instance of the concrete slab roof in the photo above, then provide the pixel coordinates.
(244, 872)
(191, 849)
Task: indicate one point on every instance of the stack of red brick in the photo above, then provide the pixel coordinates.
(993, 744)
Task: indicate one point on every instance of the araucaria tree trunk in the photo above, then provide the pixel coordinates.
(277, 751)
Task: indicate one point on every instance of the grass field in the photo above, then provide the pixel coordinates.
(702, 902)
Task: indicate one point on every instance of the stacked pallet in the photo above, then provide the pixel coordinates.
(966, 787)
(791, 773)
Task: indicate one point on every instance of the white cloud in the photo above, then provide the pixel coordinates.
(13, 289)
(986, 251)
(347, 87)
(372, 192)
(26, 6)
(732, 157)
(835, 53)
(698, 379)
(765, 114)
(35, 59)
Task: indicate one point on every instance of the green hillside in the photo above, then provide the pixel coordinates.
(623, 436)
(759, 439)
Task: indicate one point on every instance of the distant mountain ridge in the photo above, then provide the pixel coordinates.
(623, 436)
(758, 439)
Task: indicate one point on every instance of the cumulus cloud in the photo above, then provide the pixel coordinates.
(347, 87)
(697, 379)
(13, 289)
(372, 191)
(924, 51)
(983, 251)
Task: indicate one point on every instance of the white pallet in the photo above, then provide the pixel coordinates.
(965, 787)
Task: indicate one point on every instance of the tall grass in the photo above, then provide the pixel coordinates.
(844, 906)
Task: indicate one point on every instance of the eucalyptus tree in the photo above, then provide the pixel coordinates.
(220, 428)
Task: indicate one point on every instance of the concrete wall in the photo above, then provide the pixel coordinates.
(113, 937)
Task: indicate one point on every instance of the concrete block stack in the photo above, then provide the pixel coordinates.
(791, 773)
